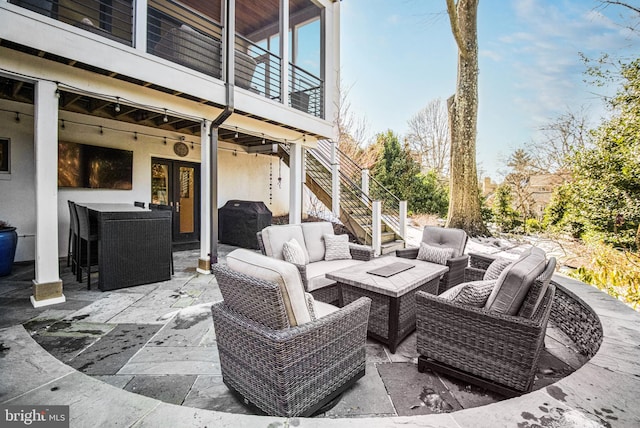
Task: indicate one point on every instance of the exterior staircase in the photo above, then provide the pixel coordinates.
(356, 211)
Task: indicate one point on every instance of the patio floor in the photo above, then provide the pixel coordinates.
(158, 340)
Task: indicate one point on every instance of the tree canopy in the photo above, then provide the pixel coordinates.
(399, 172)
(605, 187)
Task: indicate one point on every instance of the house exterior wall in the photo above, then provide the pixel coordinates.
(242, 176)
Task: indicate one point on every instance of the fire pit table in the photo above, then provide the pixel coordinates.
(391, 284)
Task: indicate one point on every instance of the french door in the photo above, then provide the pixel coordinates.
(176, 186)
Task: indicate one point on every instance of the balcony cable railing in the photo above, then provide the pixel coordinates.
(306, 91)
(192, 39)
(112, 19)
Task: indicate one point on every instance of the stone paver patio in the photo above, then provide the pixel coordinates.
(158, 341)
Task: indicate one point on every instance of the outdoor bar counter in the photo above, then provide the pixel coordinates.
(134, 244)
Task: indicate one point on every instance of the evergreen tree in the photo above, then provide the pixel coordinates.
(606, 177)
(399, 172)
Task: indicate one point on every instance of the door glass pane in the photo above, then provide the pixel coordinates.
(159, 184)
(187, 199)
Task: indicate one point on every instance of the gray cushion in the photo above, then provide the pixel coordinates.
(323, 309)
(313, 233)
(474, 293)
(279, 272)
(274, 237)
(495, 268)
(514, 282)
(537, 290)
(317, 270)
(336, 247)
(445, 237)
(432, 254)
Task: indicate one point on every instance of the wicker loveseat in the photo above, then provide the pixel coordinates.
(272, 238)
(281, 351)
(496, 346)
(444, 238)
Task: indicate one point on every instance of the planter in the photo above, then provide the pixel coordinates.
(8, 244)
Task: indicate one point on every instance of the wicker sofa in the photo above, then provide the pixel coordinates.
(272, 238)
(496, 346)
(281, 351)
(444, 238)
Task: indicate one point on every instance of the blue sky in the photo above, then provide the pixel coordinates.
(398, 55)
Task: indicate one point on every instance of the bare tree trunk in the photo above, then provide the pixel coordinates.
(464, 201)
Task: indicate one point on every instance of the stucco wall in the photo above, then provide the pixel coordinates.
(240, 177)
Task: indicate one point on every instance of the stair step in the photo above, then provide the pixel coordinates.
(390, 247)
(388, 237)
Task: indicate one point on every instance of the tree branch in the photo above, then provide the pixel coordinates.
(619, 3)
(455, 26)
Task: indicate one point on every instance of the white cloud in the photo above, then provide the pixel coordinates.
(543, 54)
(491, 55)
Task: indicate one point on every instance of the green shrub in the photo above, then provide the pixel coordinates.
(614, 271)
(533, 225)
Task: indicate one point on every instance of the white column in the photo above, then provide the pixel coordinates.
(365, 185)
(140, 25)
(402, 221)
(331, 56)
(285, 55)
(376, 227)
(47, 286)
(335, 180)
(204, 262)
(295, 184)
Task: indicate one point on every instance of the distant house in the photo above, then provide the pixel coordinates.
(541, 187)
(192, 98)
(488, 186)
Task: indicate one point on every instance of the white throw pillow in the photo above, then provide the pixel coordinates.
(432, 254)
(474, 293)
(336, 247)
(293, 252)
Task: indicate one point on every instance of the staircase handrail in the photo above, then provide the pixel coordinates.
(390, 214)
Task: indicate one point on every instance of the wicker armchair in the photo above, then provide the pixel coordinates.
(493, 350)
(449, 238)
(285, 370)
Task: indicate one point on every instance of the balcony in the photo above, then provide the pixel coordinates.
(190, 33)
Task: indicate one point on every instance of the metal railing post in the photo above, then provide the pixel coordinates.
(365, 185)
(402, 221)
(376, 227)
(335, 180)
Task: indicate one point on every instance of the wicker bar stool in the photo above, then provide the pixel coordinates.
(86, 237)
(72, 248)
(166, 208)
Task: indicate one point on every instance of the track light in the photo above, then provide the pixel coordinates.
(263, 140)
(192, 145)
(101, 131)
(117, 108)
(135, 136)
(62, 124)
(236, 136)
(165, 119)
(165, 141)
(17, 117)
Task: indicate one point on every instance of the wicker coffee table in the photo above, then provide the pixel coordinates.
(393, 303)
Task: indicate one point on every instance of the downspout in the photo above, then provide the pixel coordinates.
(228, 75)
